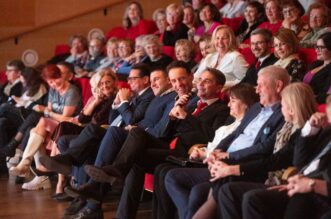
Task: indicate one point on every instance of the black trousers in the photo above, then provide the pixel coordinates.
(85, 145)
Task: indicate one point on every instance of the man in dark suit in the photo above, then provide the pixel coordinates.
(302, 197)
(261, 44)
(148, 152)
(255, 136)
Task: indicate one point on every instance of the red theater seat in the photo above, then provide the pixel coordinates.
(308, 55)
(234, 23)
(249, 56)
(61, 49)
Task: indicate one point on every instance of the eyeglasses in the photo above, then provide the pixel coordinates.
(133, 78)
(319, 47)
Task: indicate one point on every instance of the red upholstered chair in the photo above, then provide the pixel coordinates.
(118, 32)
(169, 51)
(61, 49)
(234, 23)
(308, 55)
(148, 184)
(3, 77)
(84, 84)
(249, 56)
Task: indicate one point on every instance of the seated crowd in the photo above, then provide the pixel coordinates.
(229, 119)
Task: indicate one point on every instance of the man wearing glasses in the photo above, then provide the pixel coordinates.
(261, 43)
(14, 86)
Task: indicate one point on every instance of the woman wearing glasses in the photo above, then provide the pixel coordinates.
(319, 77)
(319, 18)
(286, 47)
(292, 12)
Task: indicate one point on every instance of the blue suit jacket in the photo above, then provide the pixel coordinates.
(264, 142)
(157, 114)
(134, 111)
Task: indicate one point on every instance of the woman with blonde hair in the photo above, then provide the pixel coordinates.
(286, 46)
(298, 104)
(96, 110)
(227, 59)
(176, 29)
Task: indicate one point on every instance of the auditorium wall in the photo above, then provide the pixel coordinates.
(18, 16)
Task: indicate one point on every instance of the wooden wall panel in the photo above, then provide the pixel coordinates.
(44, 40)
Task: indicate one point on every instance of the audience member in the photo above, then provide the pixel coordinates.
(14, 86)
(185, 51)
(261, 43)
(319, 18)
(112, 55)
(78, 51)
(233, 8)
(274, 16)
(159, 17)
(226, 58)
(63, 101)
(286, 47)
(176, 29)
(318, 77)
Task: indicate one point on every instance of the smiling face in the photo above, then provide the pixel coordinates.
(205, 48)
(133, 11)
(153, 50)
(124, 49)
(322, 52)
(259, 46)
(291, 13)
(282, 50)
(266, 90)
(237, 107)
(207, 86)
(222, 41)
(159, 82)
(188, 18)
(172, 17)
(317, 18)
(182, 53)
(205, 14)
(180, 80)
(272, 11)
(107, 85)
(251, 14)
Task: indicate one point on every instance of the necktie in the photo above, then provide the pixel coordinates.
(200, 106)
(257, 64)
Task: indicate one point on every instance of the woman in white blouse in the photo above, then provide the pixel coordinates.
(226, 58)
(242, 96)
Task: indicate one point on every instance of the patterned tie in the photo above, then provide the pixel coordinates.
(200, 106)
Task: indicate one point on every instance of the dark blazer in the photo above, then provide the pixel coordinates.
(170, 37)
(201, 129)
(16, 90)
(134, 111)
(309, 147)
(280, 160)
(157, 114)
(265, 139)
(251, 73)
(321, 81)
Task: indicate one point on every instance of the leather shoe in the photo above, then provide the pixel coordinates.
(59, 163)
(62, 197)
(75, 206)
(106, 174)
(90, 191)
(87, 213)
